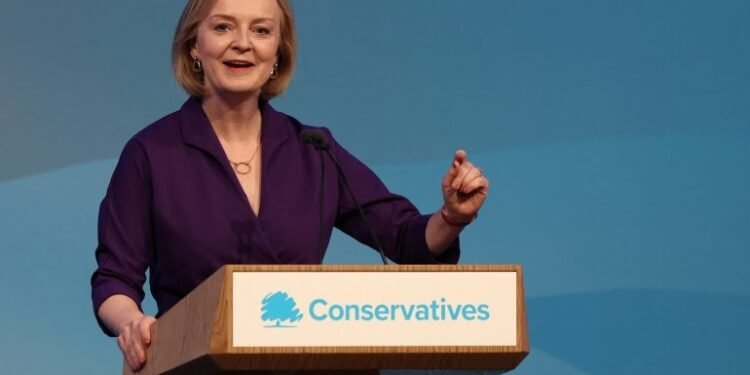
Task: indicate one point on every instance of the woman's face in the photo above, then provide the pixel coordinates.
(237, 44)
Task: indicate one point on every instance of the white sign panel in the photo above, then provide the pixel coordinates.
(313, 309)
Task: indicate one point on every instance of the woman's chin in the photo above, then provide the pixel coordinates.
(237, 91)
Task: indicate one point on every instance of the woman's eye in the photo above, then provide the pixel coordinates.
(262, 30)
(221, 27)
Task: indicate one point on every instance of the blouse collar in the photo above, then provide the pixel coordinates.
(198, 132)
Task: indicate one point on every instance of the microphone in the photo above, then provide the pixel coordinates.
(318, 139)
(315, 138)
(311, 137)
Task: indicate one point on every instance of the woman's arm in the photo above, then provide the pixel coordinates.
(123, 255)
(439, 234)
(122, 316)
(464, 191)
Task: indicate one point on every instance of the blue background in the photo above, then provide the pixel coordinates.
(616, 135)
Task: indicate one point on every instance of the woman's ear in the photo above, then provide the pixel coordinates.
(194, 53)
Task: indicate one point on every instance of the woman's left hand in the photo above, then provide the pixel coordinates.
(464, 189)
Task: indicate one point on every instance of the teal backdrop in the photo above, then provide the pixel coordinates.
(616, 135)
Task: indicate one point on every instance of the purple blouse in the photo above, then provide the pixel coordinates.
(175, 207)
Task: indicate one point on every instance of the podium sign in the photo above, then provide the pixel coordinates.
(319, 309)
(333, 318)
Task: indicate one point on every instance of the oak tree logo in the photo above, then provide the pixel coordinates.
(280, 307)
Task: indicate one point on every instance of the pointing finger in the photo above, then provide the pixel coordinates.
(460, 156)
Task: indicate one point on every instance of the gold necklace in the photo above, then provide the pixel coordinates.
(244, 167)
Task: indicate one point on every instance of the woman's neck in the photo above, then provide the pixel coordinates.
(235, 120)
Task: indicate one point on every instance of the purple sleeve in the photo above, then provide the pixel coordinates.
(125, 236)
(396, 221)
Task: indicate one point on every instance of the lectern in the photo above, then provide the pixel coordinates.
(344, 319)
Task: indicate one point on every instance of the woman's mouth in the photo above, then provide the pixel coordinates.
(238, 65)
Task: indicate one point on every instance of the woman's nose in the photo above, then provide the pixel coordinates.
(242, 41)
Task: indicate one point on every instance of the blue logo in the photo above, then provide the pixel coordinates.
(280, 307)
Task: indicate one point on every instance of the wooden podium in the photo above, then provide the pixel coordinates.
(359, 319)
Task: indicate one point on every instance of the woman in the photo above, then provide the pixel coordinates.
(226, 179)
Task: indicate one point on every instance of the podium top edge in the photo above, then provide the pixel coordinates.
(375, 268)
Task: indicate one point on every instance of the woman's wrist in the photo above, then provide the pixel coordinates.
(118, 311)
(453, 220)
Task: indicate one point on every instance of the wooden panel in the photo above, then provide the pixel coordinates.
(375, 268)
(522, 330)
(185, 331)
(458, 361)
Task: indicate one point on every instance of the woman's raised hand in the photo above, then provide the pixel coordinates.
(464, 189)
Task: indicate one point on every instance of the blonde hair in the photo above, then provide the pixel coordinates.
(187, 31)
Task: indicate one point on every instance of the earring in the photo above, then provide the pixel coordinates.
(197, 66)
(275, 71)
